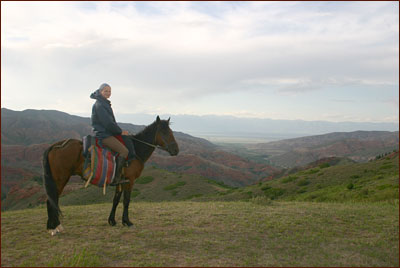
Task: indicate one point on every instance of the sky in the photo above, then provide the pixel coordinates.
(329, 61)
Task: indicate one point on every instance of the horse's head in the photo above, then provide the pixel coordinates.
(165, 138)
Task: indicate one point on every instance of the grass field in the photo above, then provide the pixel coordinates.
(259, 232)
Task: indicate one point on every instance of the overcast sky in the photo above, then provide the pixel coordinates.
(333, 61)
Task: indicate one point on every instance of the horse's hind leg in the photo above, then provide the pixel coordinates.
(53, 220)
(53, 223)
(117, 197)
(60, 161)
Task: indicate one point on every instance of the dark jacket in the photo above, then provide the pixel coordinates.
(103, 120)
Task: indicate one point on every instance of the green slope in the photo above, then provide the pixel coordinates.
(374, 181)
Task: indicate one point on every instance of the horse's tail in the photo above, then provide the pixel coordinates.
(49, 183)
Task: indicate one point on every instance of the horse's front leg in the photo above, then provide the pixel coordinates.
(127, 199)
(117, 197)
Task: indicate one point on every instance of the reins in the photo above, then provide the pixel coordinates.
(149, 144)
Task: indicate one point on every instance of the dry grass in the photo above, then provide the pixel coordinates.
(208, 234)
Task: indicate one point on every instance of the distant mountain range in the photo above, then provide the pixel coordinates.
(255, 128)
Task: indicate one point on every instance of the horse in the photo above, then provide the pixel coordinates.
(65, 158)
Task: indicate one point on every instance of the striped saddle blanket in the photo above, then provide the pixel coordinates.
(100, 165)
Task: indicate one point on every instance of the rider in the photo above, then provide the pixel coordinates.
(107, 130)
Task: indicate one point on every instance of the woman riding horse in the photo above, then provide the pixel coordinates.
(108, 132)
(65, 158)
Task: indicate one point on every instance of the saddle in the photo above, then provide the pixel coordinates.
(100, 166)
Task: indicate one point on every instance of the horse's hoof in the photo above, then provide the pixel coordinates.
(127, 223)
(60, 228)
(112, 222)
(53, 232)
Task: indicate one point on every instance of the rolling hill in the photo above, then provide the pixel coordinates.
(359, 146)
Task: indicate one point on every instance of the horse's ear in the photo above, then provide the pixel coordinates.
(168, 119)
(158, 119)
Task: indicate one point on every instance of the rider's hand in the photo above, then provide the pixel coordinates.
(125, 132)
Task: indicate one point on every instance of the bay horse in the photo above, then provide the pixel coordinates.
(65, 158)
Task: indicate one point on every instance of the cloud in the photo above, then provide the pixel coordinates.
(182, 51)
(298, 85)
(393, 103)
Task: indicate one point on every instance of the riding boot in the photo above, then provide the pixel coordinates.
(118, 179)
(131, 147)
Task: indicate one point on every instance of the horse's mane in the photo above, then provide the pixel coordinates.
(151, 129)
(146, 131)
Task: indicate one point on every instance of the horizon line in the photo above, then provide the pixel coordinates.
(215, 115)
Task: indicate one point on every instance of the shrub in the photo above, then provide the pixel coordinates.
(350, 186)
(174, 186)
(312, 197)
(312, 171)
(274, 192)
(144, 180)
(301, 191)
(354, 176)
(266, 187)
(289, 179)
(303, 182)
(324, 165)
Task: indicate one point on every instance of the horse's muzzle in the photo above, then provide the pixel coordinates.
(173, 149)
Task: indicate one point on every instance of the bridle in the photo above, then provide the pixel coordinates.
(149, 144)
(164, 148)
